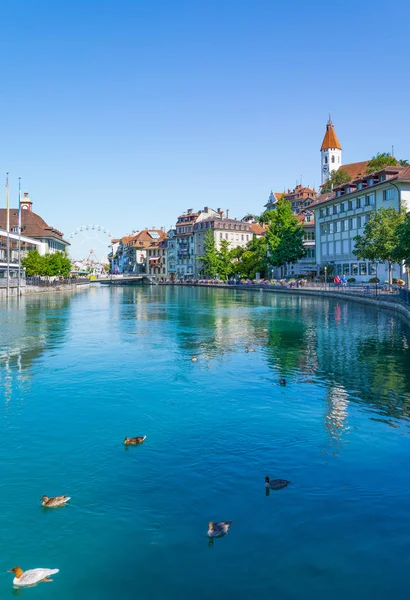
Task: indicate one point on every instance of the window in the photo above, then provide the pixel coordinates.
(360, 202)
(331, 249)
(226, 236)
(355, 269)
(360, 186)
(311, 253)
(345, 246)
(346, 269)
(372, 269)
(309, 235)
(338, 268)
(325, 160)
(322, 212)
(345, 206)
(337, 209)
(242, 237)
(331, 227)
(363, 268)
(221, 236)
(370, 199)
(338, 247)
(333, 159)
(346, 225)
(370, 181)
(353, 223)
(349, 205)
(247, 237)
(382, 178)
(323, 229)
(389, 194)
(338, 226)
(324, 249)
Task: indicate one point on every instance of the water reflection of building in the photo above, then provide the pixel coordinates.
(26, 331)
(336, 414)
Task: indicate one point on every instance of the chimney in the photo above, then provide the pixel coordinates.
(189, 211)
(227, 213)
(206, 209)
(220, 212)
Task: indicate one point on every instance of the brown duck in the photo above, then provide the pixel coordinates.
(134, 441)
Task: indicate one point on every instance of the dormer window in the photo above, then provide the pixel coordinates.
(370, 181)
(360, 185)
(338, 193)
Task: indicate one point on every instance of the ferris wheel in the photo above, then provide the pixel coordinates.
(90, 236)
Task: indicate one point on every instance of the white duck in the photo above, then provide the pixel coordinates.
(218, 529)
(32, 576)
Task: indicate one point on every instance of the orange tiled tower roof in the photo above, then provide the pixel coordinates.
(330, 140)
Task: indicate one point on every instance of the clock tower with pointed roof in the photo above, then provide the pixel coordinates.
(330, 152)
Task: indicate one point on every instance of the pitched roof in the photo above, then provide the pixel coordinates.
(257, 229)
(355, 170)
(32, 225)
(330, 140)
(143, 239)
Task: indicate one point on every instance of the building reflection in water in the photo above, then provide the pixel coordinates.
(29, 326)
(336, 416)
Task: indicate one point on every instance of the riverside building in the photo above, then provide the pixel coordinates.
(342, 214)
(237, 233)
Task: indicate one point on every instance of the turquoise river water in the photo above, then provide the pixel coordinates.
(79, 373)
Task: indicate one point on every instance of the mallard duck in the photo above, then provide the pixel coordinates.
(276, 484)
(247, 349)
(54, 501)
(133, 441)
(282, 381)
(194, 359)
(218, 529)
(32, 576)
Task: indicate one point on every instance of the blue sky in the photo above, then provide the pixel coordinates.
(126, 113)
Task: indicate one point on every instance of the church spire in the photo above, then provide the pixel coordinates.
(330, 140)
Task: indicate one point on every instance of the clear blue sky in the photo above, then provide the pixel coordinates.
(125, 113)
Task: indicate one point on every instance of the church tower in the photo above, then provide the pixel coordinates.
(331, 152)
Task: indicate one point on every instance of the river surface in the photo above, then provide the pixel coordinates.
(79, 373)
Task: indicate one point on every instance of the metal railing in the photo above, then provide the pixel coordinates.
(41, 282)
(13, 282)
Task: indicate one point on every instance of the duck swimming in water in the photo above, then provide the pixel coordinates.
(282, 381)
(218, 529)
(247, 349)
(32, 576)
(276, 484)
(133, 441)
(194, 359)
(54, 501)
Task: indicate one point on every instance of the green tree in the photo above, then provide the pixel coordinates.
(210, 260)
(380, 238)
(381, 160)
(33, 263)
(49, 265)
(284, 236)
(402, 250)
(336, 178)
(403, 162)
(224, 256)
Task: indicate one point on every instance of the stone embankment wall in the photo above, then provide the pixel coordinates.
(34, 289)
(390, 303)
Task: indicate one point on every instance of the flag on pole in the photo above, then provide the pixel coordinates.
(19, 223)
(7, 204)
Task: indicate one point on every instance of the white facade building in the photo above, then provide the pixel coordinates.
(342, 215)
(237, 233)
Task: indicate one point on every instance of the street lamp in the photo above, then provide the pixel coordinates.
(325, 270)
